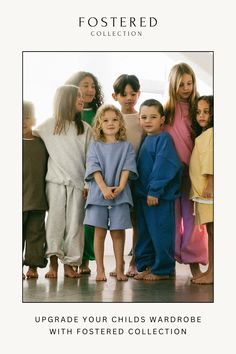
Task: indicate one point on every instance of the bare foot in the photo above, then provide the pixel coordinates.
(69, 272)
(205, 279)
(141, 275)
(101, 276)
(32, 273)
(121, 277)
(132, 271)
(53, 268)
(199, 275)
(84, 268)
(155, 277)
(52, 273)
(195, 270)
(113, 273)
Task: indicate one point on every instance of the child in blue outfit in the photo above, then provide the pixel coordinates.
(156, 189)
(110, 163)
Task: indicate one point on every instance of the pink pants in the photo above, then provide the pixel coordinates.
(191, 244)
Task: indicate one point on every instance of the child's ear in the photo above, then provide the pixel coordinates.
(114, 95)
(163, 118)
(139, 93)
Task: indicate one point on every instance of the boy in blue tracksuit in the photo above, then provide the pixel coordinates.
(156, 189)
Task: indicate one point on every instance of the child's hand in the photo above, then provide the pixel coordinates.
(117, 190)
(152, 200)
(85, 193)
(108, 193)
(209, 190)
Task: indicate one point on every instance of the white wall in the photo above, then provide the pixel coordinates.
(43, 72)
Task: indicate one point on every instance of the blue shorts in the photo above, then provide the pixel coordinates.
(110, 218)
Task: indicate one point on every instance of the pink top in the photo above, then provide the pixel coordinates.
(181, 132)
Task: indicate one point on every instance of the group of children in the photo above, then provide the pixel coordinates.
(94, 167)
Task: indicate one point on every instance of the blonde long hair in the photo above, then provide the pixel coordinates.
(175, 77)
(98, 120)
(65, 110)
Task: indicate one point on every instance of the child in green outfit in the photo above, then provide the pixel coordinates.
(93, 99)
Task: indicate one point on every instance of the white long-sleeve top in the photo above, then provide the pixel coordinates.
(67, 153)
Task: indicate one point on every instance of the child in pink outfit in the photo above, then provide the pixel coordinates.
(191, 240)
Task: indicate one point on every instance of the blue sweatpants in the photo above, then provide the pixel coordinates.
(155, 245)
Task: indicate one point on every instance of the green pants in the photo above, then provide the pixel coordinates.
(88, 254)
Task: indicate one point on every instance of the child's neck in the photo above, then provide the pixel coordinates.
(184, 100)
(128, 111)
(28, 135)
(110, 139)
(156, 132)
(87, 105)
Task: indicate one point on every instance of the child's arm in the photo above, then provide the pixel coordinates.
(123, 180)
(208, 191)
(106, 191)
(166, 168)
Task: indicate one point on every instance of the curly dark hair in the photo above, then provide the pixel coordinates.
(76, 78)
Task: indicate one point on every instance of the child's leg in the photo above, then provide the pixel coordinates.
(55, 226)
(35, 242)
(195, 270)
(188, 254)
(118, 239)
(74, 232)
(99, 241)
(178, 230)
(53, 267)
(24, 223)
(193, 246)
(132, 271)
(88, 249)
(207, 277)
(74, 229)
(144, 251)
(35, 239)
(161, 227)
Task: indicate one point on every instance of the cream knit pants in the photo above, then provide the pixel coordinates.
(64, 226)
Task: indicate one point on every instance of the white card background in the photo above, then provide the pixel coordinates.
(52, 26)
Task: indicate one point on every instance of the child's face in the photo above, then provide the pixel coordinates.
(88, 89)
(28, 123)
(110, 123)
(79, 104)
(185, 88)
(203, 114)
(150, 120)
(128, 100)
